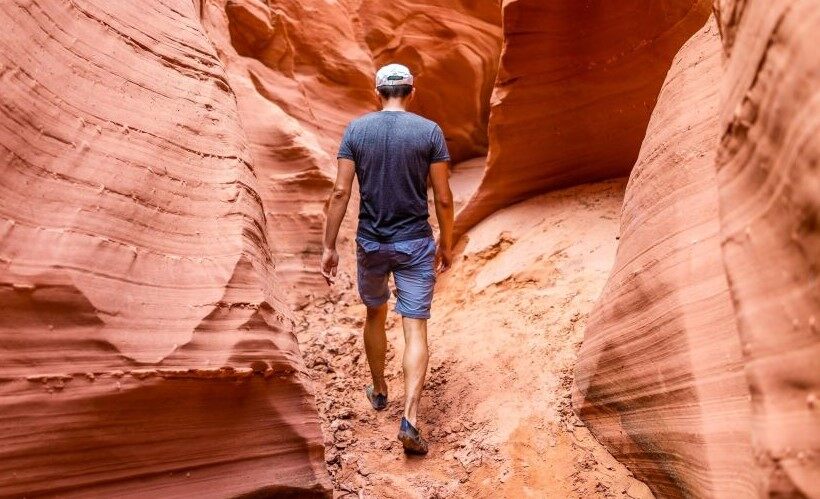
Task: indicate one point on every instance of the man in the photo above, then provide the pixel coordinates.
(392, 152)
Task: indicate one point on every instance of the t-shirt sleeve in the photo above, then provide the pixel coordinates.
(346, 146)
(438, 150)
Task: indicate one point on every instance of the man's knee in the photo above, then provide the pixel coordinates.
(414, 329)
(377, 311)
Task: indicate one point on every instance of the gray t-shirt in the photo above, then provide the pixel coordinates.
(393, 151)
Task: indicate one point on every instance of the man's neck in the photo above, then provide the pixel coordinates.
(393, 105)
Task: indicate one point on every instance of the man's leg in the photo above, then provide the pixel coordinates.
(415, 279)
(375, 345)
(414, 364)
(372, 271)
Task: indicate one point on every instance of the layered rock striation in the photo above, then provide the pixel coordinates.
(660, 376)
(769, 186)
(143, 345)
(700, 365)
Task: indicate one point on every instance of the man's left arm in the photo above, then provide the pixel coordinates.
(336, 208)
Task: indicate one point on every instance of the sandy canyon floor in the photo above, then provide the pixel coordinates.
(508, 319)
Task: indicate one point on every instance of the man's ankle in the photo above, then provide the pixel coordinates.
(380, 388)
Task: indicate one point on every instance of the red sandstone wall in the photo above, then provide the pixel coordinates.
(769, 187)
(660, 377)
(576, 85)
(143, 348)
(700, 367)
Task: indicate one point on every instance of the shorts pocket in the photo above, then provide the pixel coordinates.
(368, 246)
(414, 246)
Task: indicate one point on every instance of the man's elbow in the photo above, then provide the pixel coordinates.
(444, 202)
(340, 194)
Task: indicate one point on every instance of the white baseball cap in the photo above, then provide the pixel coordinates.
(393, 74)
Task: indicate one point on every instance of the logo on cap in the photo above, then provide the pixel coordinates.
(393, 74)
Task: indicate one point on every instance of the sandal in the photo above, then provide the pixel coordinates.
(411, 439)
(377, 400)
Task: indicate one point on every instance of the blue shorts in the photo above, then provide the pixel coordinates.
(412, 264)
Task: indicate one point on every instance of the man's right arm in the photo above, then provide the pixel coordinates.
(336, 208)
(439, 177)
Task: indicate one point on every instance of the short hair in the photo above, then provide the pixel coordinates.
(392, 91)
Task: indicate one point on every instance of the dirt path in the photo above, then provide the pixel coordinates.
(507, 322)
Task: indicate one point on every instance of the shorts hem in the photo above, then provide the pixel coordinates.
(411, 315)
(376, 303)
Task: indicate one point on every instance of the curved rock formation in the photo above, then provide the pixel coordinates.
(298, 84)
(659, 377)
(286, 75)
(143, 349)
(700, 367)
(576, 85)
(769, 186)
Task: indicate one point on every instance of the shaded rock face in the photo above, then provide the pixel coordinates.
(769, 187)
(661, 364)
(299, 82)
(700, 365)
(576, 85)
(142, 344)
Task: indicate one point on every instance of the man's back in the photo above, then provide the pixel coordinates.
(393, 151)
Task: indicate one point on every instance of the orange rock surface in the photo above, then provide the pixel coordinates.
(165, 169)
(156, 163)
(576, 85)
(769, 188)
(700, 365)
(143, 347)
(660, 372)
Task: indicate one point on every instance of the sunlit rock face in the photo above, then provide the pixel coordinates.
(302, 70)
(577, 83)
(143, 346)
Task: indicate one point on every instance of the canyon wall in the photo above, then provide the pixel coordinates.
(659, 378)
(576, 85)
(298, 83)
(156, 162)
(700, 366)
(769, 187)
(143, 346)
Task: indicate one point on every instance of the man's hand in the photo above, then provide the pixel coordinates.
(444, 258)
(330, 264)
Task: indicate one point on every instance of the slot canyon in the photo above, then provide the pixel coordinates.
(633, 308)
